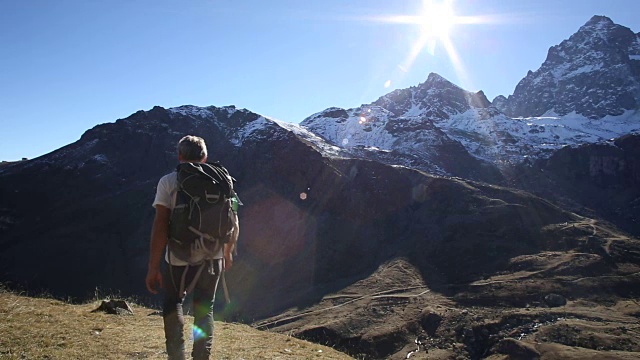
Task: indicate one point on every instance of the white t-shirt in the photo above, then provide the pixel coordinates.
(166, 196)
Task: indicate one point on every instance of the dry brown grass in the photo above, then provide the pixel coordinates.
(41, 328)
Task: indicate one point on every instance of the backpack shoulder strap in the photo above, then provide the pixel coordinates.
(221, 175)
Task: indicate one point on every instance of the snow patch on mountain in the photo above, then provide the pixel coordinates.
(363, 126)
(316, 141)
(190, 110)
(238, 136)
(68, 155)
(100, 158)
(501, 139)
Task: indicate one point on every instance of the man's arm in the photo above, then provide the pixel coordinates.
(159, 236)
(229, 247)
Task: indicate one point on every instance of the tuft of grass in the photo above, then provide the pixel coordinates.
(44, 328)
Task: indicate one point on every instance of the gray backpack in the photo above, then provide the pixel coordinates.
(202, 219)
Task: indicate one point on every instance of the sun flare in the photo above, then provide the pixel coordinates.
(437, 19)
(435, 24)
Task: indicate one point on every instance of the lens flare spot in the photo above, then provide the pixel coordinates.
(387, 84)
(282, 233)
(345, 141)
(303, 196)
(198, 333)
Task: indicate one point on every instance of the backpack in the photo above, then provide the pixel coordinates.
(203, 218)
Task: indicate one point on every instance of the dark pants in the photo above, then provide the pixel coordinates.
(203, 297)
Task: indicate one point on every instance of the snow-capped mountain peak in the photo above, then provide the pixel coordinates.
(594, 73)
(435, 98)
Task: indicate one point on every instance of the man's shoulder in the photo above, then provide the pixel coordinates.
(169, 179)
(168, 183)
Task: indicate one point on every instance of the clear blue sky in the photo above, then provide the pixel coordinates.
(68, 65)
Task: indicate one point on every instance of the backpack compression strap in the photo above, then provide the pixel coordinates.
(216, 172)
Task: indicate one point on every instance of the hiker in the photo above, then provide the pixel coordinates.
(184, 274)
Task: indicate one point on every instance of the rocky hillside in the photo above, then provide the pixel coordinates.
(598, 180)
(540, 308)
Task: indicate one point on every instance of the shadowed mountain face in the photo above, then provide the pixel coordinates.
(599, 180)
(79, 218)
(88, 224)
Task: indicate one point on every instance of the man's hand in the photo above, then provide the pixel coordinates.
(154, 280)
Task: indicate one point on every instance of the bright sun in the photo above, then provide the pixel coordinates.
(436, 19)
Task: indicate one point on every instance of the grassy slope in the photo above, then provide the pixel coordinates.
(40, 328)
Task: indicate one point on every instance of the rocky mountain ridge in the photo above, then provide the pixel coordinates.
(595, 73)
